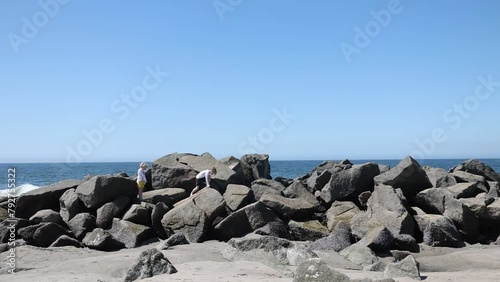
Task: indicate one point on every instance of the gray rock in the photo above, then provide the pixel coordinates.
(244, 221)
(157, 214)
(465, 177)
(150, 263)
(298, 191)
(341, 212)
(255, 166)
(360, 255)
(275, 252)
(102, 189)
(13, 244)
(385, 209)
(439, 177)
(275, 228)
(338, 240)
(10, 227)
(107, 212)
(494, 189)
(195, 216)
(130, 234)
(289, 208)
(168, 172)
(406, 242)
(318, 180)
(43, 234)
(70, 205)
(479, 168)
(310, 230)
(384, 168)
(263, 186)
(464, 190)
(65, 240)
(348, 184)
(100, 239)
(238, 196)
(169, 196)
(407, 175)
(82, 223)
(378, 239)
(497, 241)
(363, 199)
(46, 197)
(46, 216)
(441, 201)
(438, 231)
(138, 214)
(174, 240)
(316, 270)
(408, 267)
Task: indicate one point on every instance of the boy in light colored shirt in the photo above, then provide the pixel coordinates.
(141, 178)
(203, 177)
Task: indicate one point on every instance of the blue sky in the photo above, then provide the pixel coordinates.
(248, 76)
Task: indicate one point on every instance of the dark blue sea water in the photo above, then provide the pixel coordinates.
(31, 175)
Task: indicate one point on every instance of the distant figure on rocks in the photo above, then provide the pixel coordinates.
(203, 178)
(141, 178)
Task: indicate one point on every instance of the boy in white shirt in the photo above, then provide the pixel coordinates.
(203, 177)
(141, 178)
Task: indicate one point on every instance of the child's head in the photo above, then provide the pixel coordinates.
(214, 170)
(143, 165)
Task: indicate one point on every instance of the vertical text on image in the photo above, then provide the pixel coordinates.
(11, 209)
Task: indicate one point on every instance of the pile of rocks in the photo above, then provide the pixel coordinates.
(360, 211)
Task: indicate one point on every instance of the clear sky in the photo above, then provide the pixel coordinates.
(87, 80)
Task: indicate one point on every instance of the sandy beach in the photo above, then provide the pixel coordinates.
(204, 262)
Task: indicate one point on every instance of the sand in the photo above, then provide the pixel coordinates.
(204, 262)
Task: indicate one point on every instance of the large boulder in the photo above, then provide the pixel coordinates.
(408, 267)
(169, 196)
(81, 224)
(438, 231)
(43, 234)
(275, 252)
(100, 239)
(46, 216)
(341, 212)
(238, 196)
(310, 230)
(70, 205)
(130, 234)
(289, 208)
(263, 186)
(441, 201)
(386, 208)
(255, 166)
(466, 177)
(169, 172)
(138, 214)
(10, 227)
(378, 239)
(107, 212)
(439, 177)
(195, 216)
(150, 262)
(318, 180)
(464, 190)
(316, 270)
(339, 239)
(298, 190)
(219, 181)
(407, 175)
(244, 221)
(65, 240)
(159, 210)
(102, 189)
(360, 255)
(348, 184)
(46, 197)
(479, 168)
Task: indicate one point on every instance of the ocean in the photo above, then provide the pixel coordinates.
(29, 176)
